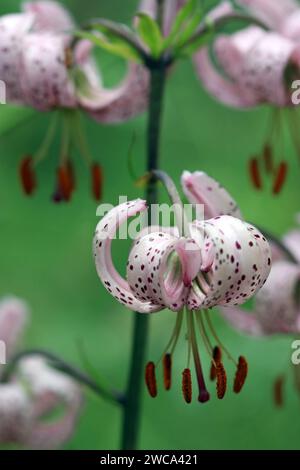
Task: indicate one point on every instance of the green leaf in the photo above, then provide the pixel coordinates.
(150, 33)
(182, 16)
(112, 44)
(189, 49)
(190, 29)
(13, 116)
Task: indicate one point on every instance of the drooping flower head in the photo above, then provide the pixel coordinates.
(221, 260)
(41, 70)
(276, 310)
(33, 391)
(258, 66)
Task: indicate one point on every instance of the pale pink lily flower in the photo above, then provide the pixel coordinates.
(258, 66)
(34, 391)
(39, 70)
(276, 309)
(221, 260)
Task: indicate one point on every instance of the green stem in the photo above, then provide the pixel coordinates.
(132, 406)
(63, 366)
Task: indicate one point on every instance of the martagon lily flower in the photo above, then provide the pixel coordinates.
(276, 310)
(258, 66)
(33, 391)
(221, 260)
(40, 70)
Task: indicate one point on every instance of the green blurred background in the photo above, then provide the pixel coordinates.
(45, 255)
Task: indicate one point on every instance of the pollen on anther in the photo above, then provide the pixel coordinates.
(221, 380)
(278, 391)
(217, 357)
(167, 367)
(255, 173)
(150, 379)
(187, 385)
(240, 375)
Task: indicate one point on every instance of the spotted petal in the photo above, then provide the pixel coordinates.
(277, 304)
(200, 188)
(241, 265)
(49, 390)
(161, 268)
(13, 29)
(110, 278)
(45, 79)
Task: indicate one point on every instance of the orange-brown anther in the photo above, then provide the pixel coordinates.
(280, 177)
(97, 180)
(217, 356)
(27, 176)
(278, 391)
(268, 158)
(254, 172)
(167, 366)
(221, 380)
(65, 183)
(150, 379)
(68, 58)
(187, 385)
(240, 375)
(71, 172)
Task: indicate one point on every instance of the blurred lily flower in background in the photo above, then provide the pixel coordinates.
(258, 66)
(40, 70)
(219, 261)
(33, 392)
(276, 309)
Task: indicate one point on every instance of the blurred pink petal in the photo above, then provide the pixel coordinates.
(15, 414)
(292, 242)
(50, 389)
(50, 16)
(13, 30)
(272, 12)
(13, 318)
(243, 321)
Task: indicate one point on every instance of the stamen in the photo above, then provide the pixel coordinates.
(27, 176)
(278, 390)
(174, 336)
(268, 158)
(207, 317)
(217, 356)
(167, 366)
(187, 385)
(254, 172)
(97, 179)
(241, 375)
(65, 183)
(150, 379)
(280, 177)
(203, 393)
(221, 380)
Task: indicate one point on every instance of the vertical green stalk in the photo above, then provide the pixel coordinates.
(132, 406)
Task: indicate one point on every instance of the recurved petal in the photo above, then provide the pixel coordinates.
(277, 304)
(222, 88)
(127, 100)
(161, 268)
(270, 11)
(45, 76)
(106, 231)
(290, 27)
(13, 29)
(49, 16)
(13, 318)
(200, 188)
(50, 390)
(241, 265)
